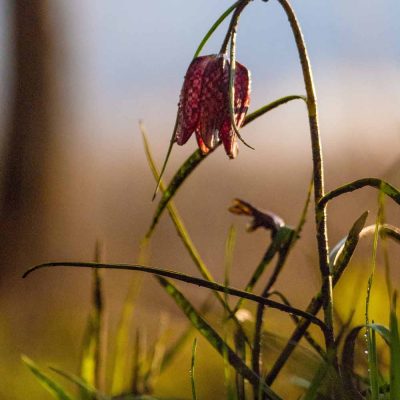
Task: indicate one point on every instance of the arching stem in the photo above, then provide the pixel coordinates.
(320, 211)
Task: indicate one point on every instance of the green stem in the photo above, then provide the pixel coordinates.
(232, 26)
(214, 27)
(320, 212)
(376, 183)
(256, 353)
(232, 72)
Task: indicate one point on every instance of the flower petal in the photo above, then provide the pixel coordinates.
(242, 93)
(242, 101)
(189, 102)
(228, 137)
(203, 148)
(213, 101)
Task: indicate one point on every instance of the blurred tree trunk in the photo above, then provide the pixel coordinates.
(28, 141)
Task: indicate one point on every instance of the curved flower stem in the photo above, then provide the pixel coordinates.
(235, 6)
(214, 27)
(320, 212)
(232, 26)
(232, 72)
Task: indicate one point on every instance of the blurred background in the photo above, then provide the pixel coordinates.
(75, 79)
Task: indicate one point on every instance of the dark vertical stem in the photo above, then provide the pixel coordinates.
(320, 211)
(256, 353)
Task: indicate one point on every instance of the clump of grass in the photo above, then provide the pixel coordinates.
(243, 349)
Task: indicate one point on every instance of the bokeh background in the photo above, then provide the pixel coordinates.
(75, 79)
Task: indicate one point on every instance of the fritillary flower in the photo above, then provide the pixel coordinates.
(204, 104)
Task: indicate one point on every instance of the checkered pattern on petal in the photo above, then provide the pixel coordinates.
(242, 93)
(213, 101)
(204, 103)
(189, 102)
(241, 104)
(228, 137)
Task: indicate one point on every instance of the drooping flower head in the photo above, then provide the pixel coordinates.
(204, 104)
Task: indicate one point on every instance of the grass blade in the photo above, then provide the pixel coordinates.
(214, 338)
(120, 368)
(181, 230)
(282, 237)
(271, 106)
(90, 365)
(176, 219)
(191, 372)
(191, 280)
(373, 364)
(85, 387)
(313, 343)
(214, 27)
(348, 355)
(228, 259)
(51, 386)
(371, 342)
(394, 352)
(341, 254)
(154, 359)
(376, 183)
(175, 348)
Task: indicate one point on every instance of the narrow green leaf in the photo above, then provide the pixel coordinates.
(214, 27)
(120, 373)
(383, 331)
(271, 106)
(90, 363)
(154, 358)
(213, 337)
(177, 346)
(136, 362)
(232, 72)
(394, 352)
(348, 355)
(87, 388)
(228, 259)
(181, 230)
(191, 280)
(196, 158)
(91, 347)
(341, 254)
(240, 348)
(51, 386)
(282, 237)
(373, 364)
(313, 343)
(176, 219)
(379, 184)
(371, 342)
(191, 372)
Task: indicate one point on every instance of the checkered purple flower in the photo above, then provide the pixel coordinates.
(204, 104)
